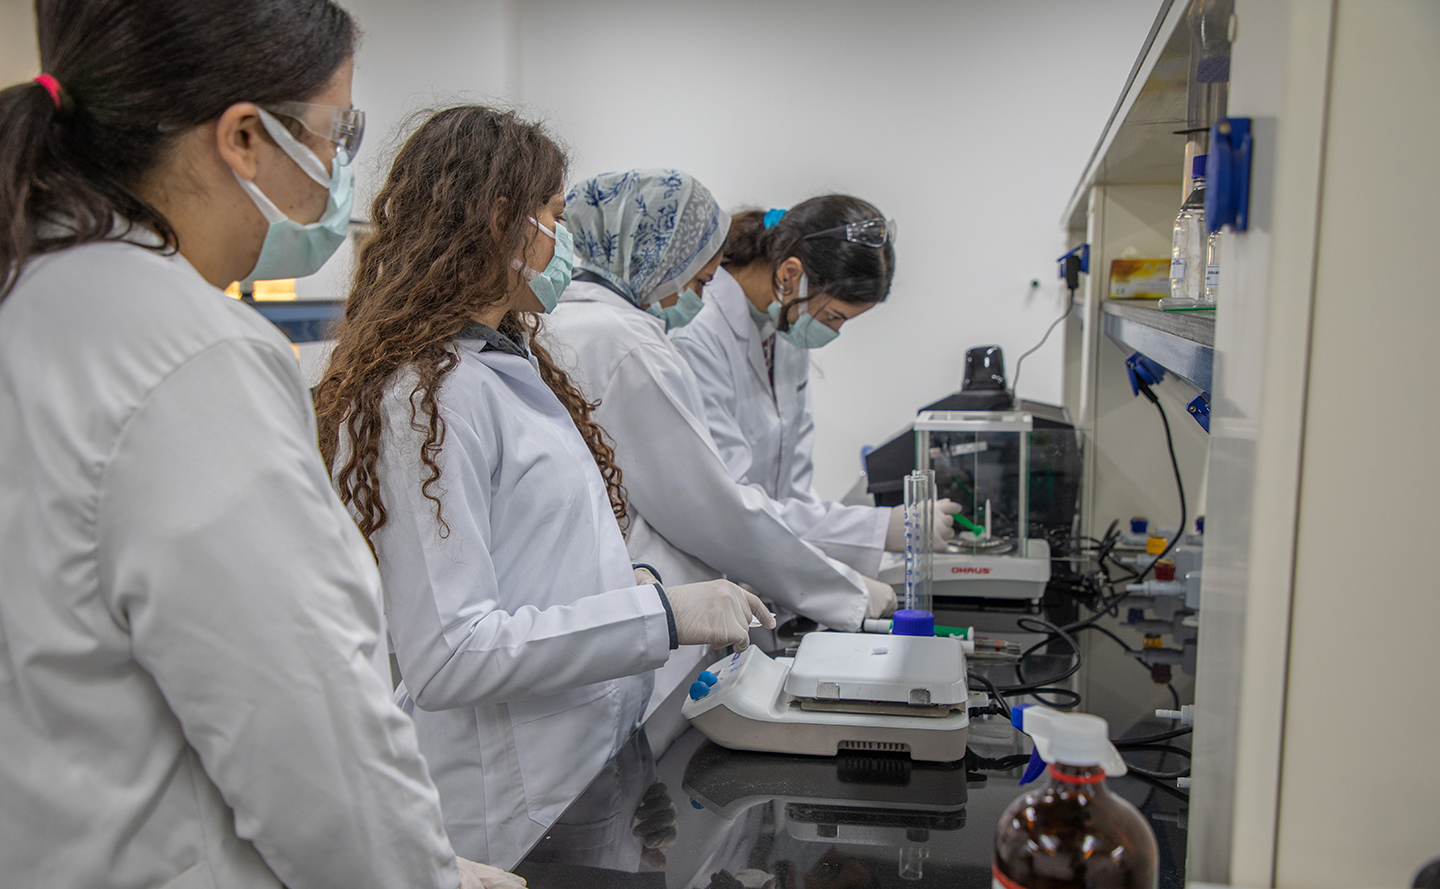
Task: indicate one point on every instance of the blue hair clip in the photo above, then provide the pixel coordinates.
(772, 218)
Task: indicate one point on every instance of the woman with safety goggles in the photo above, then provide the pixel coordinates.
(195, 688)
(789, 281)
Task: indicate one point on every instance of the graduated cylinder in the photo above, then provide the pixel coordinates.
(919, 539)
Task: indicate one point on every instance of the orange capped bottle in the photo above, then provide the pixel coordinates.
(1071, 831)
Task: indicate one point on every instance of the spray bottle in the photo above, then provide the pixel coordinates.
(1071, 831)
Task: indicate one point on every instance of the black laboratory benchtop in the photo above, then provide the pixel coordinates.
(745, 819)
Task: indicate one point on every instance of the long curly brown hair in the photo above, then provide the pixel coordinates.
(453, 211)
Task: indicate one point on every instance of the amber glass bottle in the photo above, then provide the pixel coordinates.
(1071, 831)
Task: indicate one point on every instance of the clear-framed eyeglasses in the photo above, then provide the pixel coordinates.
(869, 232)
(343, 126)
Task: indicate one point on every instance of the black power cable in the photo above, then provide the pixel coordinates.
(1042, 688)
(1159, 748)
(1002, 706)
(1107, 605)
(1149, 740)
(1072, 283)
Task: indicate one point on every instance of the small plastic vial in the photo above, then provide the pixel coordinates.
(1212, 266)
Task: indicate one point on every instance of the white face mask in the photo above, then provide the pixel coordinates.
(686, 307)
(292, 249)
(806, 332)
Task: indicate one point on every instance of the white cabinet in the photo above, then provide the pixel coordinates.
(1317, 702)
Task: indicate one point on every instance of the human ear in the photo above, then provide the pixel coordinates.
(237, 138)
(788, 274)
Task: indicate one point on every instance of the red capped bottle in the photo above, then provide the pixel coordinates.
(1070, 831)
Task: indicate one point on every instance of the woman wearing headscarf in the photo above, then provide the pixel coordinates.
(642, 237)
(476, 473)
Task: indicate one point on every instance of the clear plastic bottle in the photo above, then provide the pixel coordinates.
(1187, 247)
(1212, 267)
(1071, 832)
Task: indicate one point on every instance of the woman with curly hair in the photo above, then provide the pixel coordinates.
(524, 636)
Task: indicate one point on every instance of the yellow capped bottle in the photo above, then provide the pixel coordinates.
(1071, 831)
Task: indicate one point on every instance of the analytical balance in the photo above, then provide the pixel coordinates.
(841, 692)
(981, 460)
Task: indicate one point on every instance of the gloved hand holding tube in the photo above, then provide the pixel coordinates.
(474, 875)
(716, 613)
(944, 526)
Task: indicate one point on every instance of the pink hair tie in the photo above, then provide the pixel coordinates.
(52, 86)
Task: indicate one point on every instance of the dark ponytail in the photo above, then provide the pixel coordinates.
(133, 74)
(849, 272)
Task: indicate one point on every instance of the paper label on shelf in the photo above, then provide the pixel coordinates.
(1177, 269)
(1140, 278)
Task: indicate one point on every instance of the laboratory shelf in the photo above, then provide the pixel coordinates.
(1181, 342)
(1138, 144)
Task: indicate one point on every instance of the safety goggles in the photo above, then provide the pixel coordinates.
(869, 232)
(343, 126)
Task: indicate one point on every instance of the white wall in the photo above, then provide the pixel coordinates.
(413, 56)
(19, 58)
(969, 122)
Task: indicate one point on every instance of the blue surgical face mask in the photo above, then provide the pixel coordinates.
(806, 332)
(682, 313)
(291, 249)
(549, 284)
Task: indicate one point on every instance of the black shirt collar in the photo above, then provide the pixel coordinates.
(492, 339)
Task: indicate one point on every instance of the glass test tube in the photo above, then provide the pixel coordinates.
(919, 539)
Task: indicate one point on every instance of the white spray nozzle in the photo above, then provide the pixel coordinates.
(1072, 739)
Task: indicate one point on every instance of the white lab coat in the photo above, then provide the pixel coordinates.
(766, 436)
(689, 517)
(188, 618)
(522, 637)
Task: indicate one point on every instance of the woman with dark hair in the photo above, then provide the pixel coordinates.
(190, 628)
(641, 236)
(489, 495)
(788, 283)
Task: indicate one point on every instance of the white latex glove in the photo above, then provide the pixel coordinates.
(945, 521)
(944, 526)
(716, 613)
(474, 875)
(882, 598)
(643, 576)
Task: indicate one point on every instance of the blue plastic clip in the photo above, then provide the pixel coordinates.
(1084, 252)
(1142, 370)
(1199, 408)
(1036, 765)
(773, 217)
(1227, 175)
(1033, 768)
